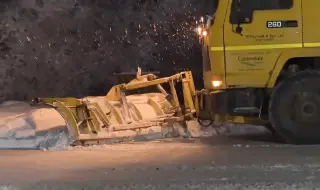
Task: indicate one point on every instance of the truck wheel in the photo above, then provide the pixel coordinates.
(294, 108)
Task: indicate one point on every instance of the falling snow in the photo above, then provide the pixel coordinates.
(62, 48)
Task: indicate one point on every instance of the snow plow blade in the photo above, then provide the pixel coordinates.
(120, 117)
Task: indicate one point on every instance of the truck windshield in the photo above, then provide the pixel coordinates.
(210, 8)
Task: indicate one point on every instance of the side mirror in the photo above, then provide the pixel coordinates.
(239, 29)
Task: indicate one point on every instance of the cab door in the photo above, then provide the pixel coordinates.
(256, 33)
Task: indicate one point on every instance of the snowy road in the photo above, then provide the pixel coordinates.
(246, 161)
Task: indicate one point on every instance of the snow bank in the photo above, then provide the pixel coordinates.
(14, 103)
(22, 127)
(33, 129)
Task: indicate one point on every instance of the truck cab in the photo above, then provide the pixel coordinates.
(254, 53)
(248, 42)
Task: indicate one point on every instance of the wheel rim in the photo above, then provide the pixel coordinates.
(305, 109)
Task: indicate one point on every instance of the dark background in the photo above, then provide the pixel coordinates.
(72, 47)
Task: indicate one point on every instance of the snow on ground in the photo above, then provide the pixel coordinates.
(24, 127)
(14, 103)
(202, 186)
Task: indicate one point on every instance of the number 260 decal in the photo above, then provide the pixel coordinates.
(274, 24)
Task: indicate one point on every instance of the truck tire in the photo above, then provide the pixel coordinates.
(294, 108)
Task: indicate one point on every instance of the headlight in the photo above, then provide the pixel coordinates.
(204, 33)
(216, 83)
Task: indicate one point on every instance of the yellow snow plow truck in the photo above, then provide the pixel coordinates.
(260, 67)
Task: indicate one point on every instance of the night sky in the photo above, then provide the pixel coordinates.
(72, 47)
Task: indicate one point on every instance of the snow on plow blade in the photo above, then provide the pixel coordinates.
(91, 120)
(116, 117)
(120, 117)
(96, 120)
(24, 127)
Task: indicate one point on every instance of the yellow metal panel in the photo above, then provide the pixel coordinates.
(68, 116)
(215, 39)
(311, 44)
(251, 57)
(290, 53)
(240, 120)
(311, 27)
(217, 48)
(264, 47)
